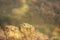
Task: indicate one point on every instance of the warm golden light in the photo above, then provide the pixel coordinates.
(22, 10)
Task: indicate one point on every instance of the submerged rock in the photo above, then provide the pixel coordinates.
(26, 32)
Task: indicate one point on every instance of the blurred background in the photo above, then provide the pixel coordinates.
(44, 15)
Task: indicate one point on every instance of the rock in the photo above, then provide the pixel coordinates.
(2, 35)
(12, 32)
(31, 34)
(26, 32)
